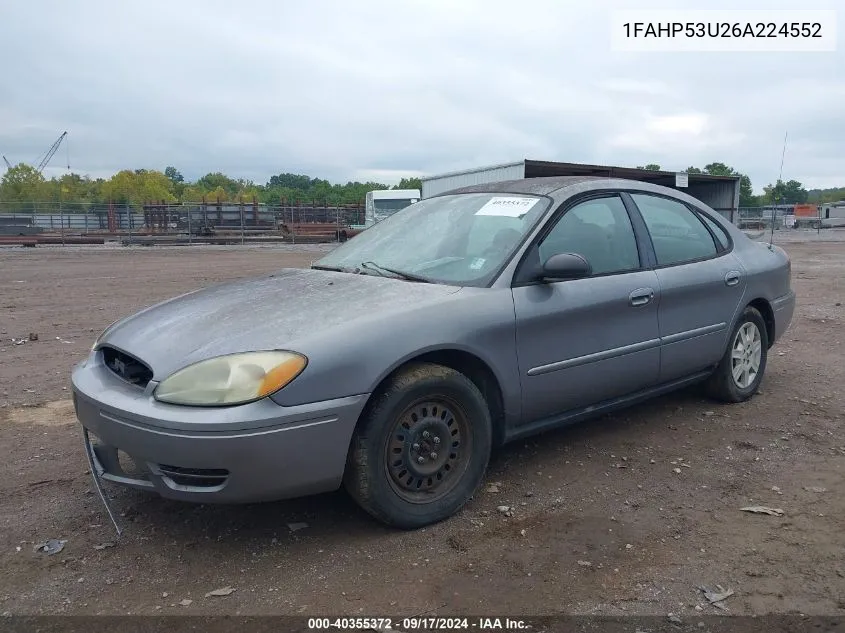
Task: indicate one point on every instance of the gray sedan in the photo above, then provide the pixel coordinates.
(397, 362)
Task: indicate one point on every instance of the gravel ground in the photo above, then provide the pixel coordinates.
(628, 514)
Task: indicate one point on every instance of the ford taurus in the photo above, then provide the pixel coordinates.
(397, 362)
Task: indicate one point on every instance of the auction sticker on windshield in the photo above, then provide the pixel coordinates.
(507, 206)
(477, 263)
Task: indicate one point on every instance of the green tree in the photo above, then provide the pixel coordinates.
(650, 167)
(821, 196)
(218, 193)
(297, 187)
(290, 181)
(248, 192)
(192, 193)
(137, 187)
(746, 191)
(98, 193)
(321, 190)
(23, 183)
(75, 191)
(409, 183)
(177, 181)
(790, 192)
(213, 181)
(719, 169)
(173, 174)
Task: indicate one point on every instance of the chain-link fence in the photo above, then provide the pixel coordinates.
(239, 222)
(791, 217)
(787, 223)
(192, 222)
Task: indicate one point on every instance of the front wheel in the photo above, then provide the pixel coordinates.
(741, 369)
(421, 448)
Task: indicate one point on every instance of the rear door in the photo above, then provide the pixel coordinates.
(701, 284)
(583, 341)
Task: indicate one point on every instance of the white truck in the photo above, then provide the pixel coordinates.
(383, 203)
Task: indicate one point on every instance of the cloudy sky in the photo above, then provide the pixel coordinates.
(379, 89)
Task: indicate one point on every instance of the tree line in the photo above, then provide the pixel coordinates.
(789, 192)
(23, 184)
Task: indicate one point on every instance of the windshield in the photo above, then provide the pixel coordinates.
(391, 205)
(461, 239)
(385, 207)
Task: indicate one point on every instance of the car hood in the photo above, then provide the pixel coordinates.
(269, 312)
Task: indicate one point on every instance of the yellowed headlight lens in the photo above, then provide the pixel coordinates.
(231, 379)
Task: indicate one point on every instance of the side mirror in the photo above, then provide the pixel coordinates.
(566, 266)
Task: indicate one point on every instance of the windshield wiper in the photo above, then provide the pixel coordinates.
(331, 268)
(409, 276)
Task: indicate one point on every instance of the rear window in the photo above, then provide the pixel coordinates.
(718, 231)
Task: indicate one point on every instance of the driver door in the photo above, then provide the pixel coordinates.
(582, 341)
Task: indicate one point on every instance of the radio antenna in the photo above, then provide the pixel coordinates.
(780, 179)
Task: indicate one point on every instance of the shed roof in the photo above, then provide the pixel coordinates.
(544, 168)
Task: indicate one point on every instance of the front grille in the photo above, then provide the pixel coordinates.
(127, 367)
(195, 477)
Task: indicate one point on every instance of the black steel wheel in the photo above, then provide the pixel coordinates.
(428, 449)
(421, 448)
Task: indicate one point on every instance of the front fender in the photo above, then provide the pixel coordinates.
(355, 359)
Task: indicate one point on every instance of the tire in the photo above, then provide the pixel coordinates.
(407, 421)
(723, 385)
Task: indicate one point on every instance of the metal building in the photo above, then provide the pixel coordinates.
(832, 214)
(719, 192)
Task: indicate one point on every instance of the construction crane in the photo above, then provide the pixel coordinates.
(53, 149)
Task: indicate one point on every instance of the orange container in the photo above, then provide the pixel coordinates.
(806, 211)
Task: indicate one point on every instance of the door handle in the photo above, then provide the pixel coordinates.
(732, 278)
(641, 296)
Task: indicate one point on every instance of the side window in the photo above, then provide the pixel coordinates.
(600, 231)
(718, 231)
(676, 232)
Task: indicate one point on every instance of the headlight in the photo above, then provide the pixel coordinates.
(231, 379)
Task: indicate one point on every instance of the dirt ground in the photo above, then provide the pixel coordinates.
(628, 514)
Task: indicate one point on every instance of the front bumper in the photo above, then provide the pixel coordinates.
(255, 452)
(783, 308)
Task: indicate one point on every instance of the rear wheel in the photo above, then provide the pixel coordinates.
(421, 449)
(741, 369)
